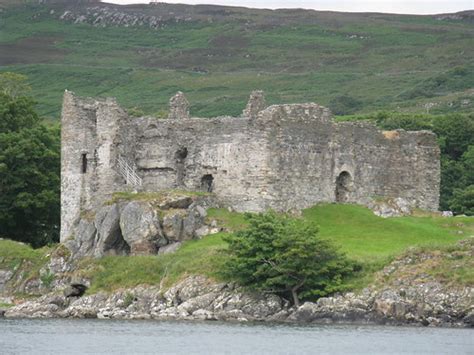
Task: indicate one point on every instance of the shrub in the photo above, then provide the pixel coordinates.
(283, 255)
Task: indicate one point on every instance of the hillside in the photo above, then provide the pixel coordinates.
(143, 54)
(372, 241)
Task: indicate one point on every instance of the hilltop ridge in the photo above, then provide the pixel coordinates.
(142, 54)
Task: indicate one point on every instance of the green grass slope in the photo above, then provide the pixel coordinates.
(371, 240)
(219, 54)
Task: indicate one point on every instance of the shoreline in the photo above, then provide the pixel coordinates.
(197, 298)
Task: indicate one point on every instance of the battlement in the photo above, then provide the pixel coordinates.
(281, 157)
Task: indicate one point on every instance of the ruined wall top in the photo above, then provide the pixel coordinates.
(179, 106)
(255, 104)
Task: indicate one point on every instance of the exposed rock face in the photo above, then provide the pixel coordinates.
(199, 298)
(255, 104)
(109, 232)
(140, 227)
(193, 298)
(5, 276)
(179, 106)
(392, 207)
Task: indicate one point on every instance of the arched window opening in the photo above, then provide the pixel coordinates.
(207, 183)
(343, 186)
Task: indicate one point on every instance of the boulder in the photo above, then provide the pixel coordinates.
(173, 224)
(391, 207)
(109, 235)
(174, 201)
(170, 248)
(139, 223)
(81, 242)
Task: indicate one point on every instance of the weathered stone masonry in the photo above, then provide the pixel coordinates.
(282, 157)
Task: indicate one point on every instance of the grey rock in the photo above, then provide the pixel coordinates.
(5, 276)
(81, 242)
(174, 201)
(109, 234)
(391, 207)
(141, 230)
(170, 248)
(173, 224)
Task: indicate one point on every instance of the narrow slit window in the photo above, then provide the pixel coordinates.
(84, 163)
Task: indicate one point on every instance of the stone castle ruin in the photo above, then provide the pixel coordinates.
(280, 157)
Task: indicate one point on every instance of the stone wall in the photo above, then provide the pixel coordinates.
(89, 135)
(282, 157)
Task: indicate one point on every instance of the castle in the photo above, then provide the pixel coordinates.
(281, 157)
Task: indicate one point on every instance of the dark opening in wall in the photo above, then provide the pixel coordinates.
(207, 182)
(84, 163)
(180, 157)
(343, 186)
(181, 154)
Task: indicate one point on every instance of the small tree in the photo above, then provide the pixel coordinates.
(282, 255)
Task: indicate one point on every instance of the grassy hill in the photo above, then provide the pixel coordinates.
(143, 54)
(371, 240)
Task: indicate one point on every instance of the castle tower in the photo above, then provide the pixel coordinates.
(89, 135)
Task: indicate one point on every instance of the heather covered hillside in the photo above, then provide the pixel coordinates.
(143, 54)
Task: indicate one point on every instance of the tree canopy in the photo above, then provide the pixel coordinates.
(286, 256)
(29, 173)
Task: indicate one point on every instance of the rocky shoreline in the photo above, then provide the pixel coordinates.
(198, 298)
(408, 291)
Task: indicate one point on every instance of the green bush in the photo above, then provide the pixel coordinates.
(286, 256)
(463, 201)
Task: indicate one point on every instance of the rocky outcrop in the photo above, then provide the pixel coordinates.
(403, 293)
(424, 304)
(198, 298)
(391, 207)
(141, 226)
(193, 298)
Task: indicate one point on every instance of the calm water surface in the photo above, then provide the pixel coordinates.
(64, 336)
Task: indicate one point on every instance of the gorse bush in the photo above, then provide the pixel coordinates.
(285, 256)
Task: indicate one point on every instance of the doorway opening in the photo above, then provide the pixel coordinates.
(343, 186)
